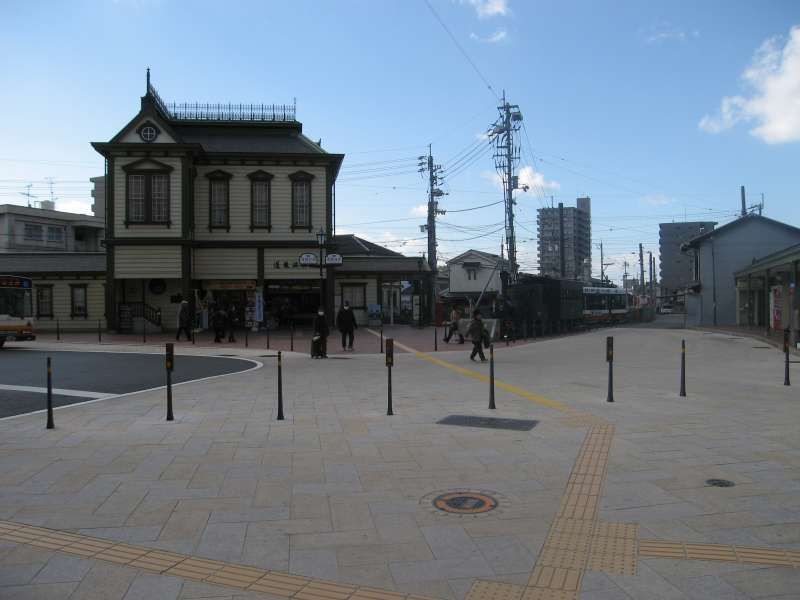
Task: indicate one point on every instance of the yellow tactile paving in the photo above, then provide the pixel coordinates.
(239, 577)
(494, 590)
(720, 552)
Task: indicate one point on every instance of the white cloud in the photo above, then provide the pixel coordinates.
(488, 8)
(656, 200)
(497, 36)
(666, 32)
(421, 210)
(773, 99)
(527, 177)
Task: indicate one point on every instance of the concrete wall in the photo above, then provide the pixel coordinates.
(733, 250)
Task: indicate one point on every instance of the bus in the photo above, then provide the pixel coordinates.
(16, 309)
(605, 305)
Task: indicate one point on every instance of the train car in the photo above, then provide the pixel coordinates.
(604, 305)
(16, 309)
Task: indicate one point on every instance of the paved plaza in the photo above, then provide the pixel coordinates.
(338, 501)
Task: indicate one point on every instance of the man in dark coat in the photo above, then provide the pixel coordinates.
(185, 321)
(346, 324)
(319, 338)
(218, 320)
(477, 333)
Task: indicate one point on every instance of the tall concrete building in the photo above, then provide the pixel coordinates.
(577, 239)
(676, 267)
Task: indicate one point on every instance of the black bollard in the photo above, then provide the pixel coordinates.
(246, 334)
(683, 369)
(99, 333)
(610, 360)
(144, 330)
(435, 338)
(786, 356)
(491, 377)
(58, 330)
(381, 339)
(291, 338)
(267, 337)
(170, 363)
(50, 424)
(280, 387)
(389, 365)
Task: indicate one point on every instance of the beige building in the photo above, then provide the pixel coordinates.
(216, 204)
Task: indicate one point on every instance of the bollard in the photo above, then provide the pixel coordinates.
(491, 377)
(291, 338)
(381, 339)
(435, 338)
(280, 387)
(683, 369)
(268, 337)
(50, 424)
(246, 334)
(786, 355)
(144, 330)
(99, 333)
(169, 363)
(58, 330)
(610, 360)
(389, 365)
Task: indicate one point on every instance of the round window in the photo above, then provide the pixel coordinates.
(148, 133)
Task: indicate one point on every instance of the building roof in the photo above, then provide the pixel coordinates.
(786, 256)
(228, 138)
(28, 263)
(394, 265)
(352, 245)
(44, 213)
(695, 242)
(487, 256)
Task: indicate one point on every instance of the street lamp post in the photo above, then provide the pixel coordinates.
(321, 238)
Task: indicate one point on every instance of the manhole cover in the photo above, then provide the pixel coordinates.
(719, 483)
(488, 422)
(465, 503)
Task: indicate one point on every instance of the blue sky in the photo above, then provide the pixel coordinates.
(657, 110)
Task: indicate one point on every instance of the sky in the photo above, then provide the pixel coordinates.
(659, 111)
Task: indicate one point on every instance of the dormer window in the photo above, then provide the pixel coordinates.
(301, 200)
(147, 193)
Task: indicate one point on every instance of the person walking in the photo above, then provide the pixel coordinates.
(218, 320)
(185, 318)
(319, 339)
(478, 334)
(231, 321)
(452, 326)
(346, 324)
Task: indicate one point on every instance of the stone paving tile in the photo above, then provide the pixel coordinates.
(43, 591)
(762, 583)
(63, 568)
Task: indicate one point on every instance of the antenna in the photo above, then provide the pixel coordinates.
(28, 194)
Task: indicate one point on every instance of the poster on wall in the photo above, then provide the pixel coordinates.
(776, 301)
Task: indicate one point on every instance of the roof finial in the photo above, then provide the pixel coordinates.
(148, 80)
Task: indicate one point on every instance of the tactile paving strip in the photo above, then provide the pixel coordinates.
(721, 552)
(273, 583)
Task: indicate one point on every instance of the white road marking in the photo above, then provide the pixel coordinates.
(56, 391)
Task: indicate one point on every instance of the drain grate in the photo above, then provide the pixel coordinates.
(465, 503)
(488, 422)
(719, 483)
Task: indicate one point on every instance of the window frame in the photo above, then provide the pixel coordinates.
(72, 288)
(307, 178)
(40, 287)
(213, 176)
(40, 227)
(260, 177)
(148, 172)
(363, 287)
(60, 230)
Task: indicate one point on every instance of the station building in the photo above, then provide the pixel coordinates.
(217, 204)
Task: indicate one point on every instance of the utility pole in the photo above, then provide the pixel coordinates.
(561, 255)
(625, 275)
(602, 265)
(506, 158)
(641, 270)
(744, 203)
(434, 176)
(650, 266)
